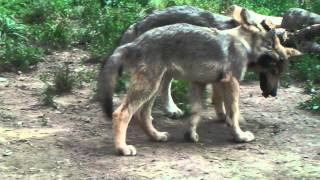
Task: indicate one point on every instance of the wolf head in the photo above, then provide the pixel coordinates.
(270, 65)
(268, 57)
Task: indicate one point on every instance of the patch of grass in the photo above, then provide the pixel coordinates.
(64, 80)
(313, 104)
(84, 75)
(47, 95)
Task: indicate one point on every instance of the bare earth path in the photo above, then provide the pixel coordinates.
(74, 141)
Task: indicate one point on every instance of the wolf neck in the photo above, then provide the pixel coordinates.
(249, 39)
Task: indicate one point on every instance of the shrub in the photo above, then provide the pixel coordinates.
(63, 79)
(18, 56)
(16, 52)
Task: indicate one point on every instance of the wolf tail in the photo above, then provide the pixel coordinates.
(108, 76)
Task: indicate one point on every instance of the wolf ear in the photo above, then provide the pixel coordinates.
(268, 25)
(247, 17)
(291, 52)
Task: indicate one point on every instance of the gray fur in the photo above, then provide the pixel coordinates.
(171, 15)
(185, 48)
(178, 14)
(199, 55)
(297, 18)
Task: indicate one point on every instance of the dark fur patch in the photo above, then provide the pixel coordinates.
(107, 106)
(263, 82)
(265, 25)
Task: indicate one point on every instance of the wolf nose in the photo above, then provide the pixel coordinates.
(274, 93)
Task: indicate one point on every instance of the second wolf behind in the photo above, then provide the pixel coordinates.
(199, 55)
(171, 15)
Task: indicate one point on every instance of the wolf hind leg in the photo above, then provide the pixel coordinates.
(196, 93)
(231, 95)
(144, 119)
(217, 100)
(171, 109)
(143, 87)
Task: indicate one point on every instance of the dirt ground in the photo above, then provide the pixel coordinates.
(74, 141)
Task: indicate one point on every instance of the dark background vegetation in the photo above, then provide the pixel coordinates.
(30, 29)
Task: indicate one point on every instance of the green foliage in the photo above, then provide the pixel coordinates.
(179, 91)
(122, 83)
(16, 52)
(17, 55)
(63, 80)
(84, 75)
(53, 35)
(47, 95)
(307, 69)
(106, 25)
(10, 29)
(314, 102)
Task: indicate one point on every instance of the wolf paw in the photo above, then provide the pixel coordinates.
(174, 112)
(221, 117)
(161, 137)
(246, 136)
(191, 136)
(127, 150)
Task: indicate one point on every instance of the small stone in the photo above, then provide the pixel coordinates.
(2, 79)
(7, 152)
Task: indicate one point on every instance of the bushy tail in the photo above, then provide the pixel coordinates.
(107, 78)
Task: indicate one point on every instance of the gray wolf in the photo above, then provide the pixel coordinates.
(171, 15)
(199, 55)
(296, 18)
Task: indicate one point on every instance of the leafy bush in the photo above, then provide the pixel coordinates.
(63, 79)
(56, 35)
(106, 25)
(314, 102)
(307, 69)
(16, 52)
(18, 56)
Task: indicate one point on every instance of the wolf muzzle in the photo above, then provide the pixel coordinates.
(267, 88)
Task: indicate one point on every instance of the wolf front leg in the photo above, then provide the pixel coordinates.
(231, 98)
(196, 92)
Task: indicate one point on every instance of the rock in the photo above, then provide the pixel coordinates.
(7, 152)
(4, 82)
(2, 79)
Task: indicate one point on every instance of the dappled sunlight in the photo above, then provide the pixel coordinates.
(11, 134)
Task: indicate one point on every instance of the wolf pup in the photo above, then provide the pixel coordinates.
(199, 55)
(171, 15)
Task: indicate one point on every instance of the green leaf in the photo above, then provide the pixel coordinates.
(315, 107)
